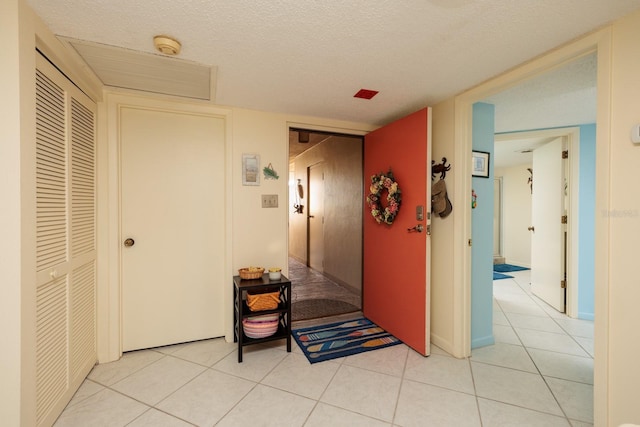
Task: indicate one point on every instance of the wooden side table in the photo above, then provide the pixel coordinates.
(241, 310)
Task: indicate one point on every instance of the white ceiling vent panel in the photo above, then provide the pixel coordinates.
(130, 69)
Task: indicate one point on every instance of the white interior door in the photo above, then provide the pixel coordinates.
(316, 217)
(548, 235)
(172, 168)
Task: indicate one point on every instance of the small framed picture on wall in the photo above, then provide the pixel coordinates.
(250, 169)
(480, 164)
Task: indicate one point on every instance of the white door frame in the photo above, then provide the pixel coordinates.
(599, 42)
(498, 211)
(109, 296)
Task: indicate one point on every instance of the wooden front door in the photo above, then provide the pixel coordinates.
(396, 257)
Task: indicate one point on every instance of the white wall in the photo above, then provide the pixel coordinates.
(12, 133)
(516, 214)
(259, 235)
(444, 333)
(623, 219)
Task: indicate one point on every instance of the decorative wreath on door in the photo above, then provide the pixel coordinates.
(380, 184)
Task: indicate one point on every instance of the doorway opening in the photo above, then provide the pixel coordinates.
(528, 215)
(325, 223)
(522, 314)
(498, 257)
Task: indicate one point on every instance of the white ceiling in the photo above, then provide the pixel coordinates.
(564, 96)
(310, 57)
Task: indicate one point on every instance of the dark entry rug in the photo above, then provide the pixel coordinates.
(325, 342)
(505, 268)
(314, 308)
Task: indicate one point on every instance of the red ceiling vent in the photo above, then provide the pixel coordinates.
(365, 94)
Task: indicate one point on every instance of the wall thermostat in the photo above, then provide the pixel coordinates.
(635, 134)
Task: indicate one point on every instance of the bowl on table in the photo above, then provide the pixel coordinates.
(275, 273)
(260, 326)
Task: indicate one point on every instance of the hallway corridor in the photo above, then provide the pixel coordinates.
(315, 296)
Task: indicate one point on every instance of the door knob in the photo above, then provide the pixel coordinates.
(417, 228)
(532, 228)
(129, 242)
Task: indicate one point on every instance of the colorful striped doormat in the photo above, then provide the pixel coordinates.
(325, 342)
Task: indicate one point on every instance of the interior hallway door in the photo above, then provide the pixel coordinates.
(172, 172)
(396, 284)
(548, 238)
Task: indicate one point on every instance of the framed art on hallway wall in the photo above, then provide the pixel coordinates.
(250, 169)
(480, 164)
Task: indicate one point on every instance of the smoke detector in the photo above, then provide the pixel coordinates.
(167, 45)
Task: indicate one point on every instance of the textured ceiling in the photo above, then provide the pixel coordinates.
(310, 57)
(564, 96)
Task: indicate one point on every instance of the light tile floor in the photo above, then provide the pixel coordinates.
(539, 373)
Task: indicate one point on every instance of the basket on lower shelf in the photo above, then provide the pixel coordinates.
(263, 301)
(260, 326)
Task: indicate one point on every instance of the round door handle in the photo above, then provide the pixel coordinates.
(531, 228)
(129, 242)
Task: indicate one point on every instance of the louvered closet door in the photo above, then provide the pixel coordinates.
(65, 240)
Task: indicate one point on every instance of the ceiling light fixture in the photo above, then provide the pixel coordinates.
(167, 45)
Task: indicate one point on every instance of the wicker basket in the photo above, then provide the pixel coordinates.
(261, 326)
(245, 273)
(263, 301)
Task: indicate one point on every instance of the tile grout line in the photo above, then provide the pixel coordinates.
(319, 399)
(164, 412)
(526, 349)
(475, 391)
(402, 378)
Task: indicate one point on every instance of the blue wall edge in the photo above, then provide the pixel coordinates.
(483, 342)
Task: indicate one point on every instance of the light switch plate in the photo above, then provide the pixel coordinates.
(635, 134)
(269, 200)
